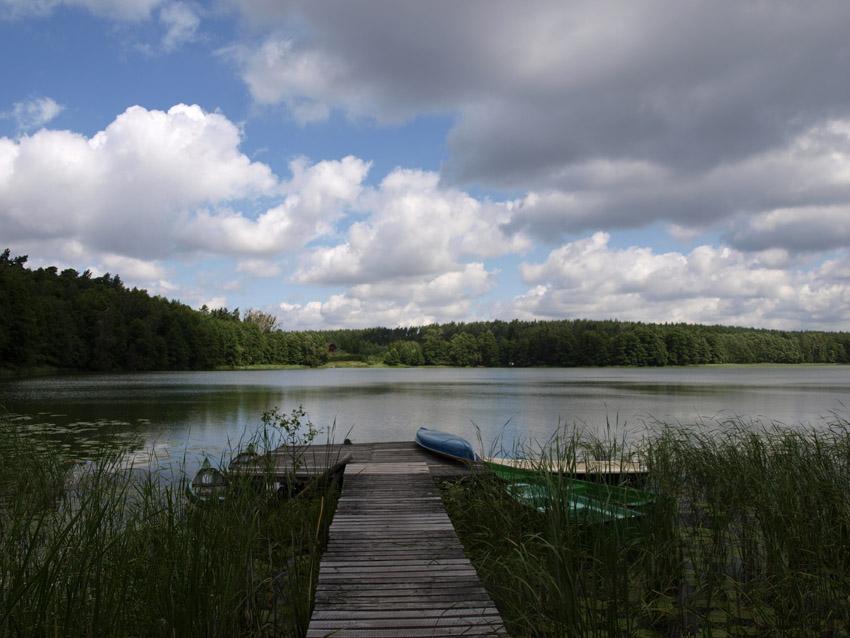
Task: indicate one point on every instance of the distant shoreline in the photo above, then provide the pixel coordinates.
(363, 365)
(10, 374)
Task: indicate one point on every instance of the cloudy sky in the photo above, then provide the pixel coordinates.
(389, 162)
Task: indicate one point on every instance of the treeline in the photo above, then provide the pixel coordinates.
(589, 343)
(76, 321)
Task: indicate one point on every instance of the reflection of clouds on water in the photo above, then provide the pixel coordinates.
(178, 418)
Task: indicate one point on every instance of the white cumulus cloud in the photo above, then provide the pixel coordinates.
(408, 301)
(316, 197)
(129, 188)
(139, 270)
(415, 227)
(710, 284)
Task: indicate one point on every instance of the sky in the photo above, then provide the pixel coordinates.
(348, 164)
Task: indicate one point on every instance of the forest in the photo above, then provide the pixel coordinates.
(75, 321)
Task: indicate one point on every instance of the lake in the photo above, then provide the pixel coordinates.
(203, 412)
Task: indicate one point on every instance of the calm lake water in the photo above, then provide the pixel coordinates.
(203, 412)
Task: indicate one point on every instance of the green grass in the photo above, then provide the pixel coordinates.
(750, 536)
(94, 549)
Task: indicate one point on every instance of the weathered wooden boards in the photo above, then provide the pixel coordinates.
(394, 566)
(316, 459)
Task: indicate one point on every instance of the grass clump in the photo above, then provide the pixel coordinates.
(99, 549)
(749, 536)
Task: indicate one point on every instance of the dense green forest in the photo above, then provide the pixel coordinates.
(75, 321)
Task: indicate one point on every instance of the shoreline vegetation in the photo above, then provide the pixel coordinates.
(381, 364)
(100, 548)
(45, 371)
(748, 536)
(52, 320)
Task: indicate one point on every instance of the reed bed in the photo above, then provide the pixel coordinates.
(749, 536)
(99, 549)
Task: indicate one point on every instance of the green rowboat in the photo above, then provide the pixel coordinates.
(577, 507)
(534, 487)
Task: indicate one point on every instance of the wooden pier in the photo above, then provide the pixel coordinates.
(394, 566)
(315, 460)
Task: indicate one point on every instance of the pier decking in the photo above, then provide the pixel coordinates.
(394, 566)
(316, 459)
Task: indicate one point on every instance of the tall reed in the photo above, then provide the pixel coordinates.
(749, 536)
(102, 550)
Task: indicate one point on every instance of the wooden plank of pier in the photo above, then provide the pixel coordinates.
(315, 460)
(394, 566)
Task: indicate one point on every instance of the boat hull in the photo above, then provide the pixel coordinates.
(448, 445)
(609, 496)
(572, 503)
(595, 468)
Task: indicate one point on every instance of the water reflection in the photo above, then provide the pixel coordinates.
(204, 413)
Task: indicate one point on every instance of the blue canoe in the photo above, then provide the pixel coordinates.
(445, 444)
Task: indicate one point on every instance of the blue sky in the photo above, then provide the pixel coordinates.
(345, 164)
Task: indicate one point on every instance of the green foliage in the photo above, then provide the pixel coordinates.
(265, 322)
(295, 432)
(748, 536)
(594, 343)
(434, 347)
(73, 321)
(100, 550)
(76, 321)
(463, 350)
(488, 349)
(408, 353)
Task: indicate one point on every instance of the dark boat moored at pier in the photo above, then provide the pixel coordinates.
(445, 444)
